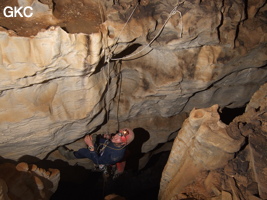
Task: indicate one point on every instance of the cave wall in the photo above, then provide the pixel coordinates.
(24, 181)
(212, 160)
(58, 85)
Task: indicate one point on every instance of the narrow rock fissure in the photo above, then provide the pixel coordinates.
(227, 115)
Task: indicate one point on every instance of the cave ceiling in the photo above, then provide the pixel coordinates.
(78, 67)
(93, 66)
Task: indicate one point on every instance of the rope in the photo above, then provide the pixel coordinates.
(125, 25)
(108, 104)
(108, 57)
(119, 97)
(173, 12)
(105, 145)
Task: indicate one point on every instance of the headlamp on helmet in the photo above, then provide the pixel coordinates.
(123, 133)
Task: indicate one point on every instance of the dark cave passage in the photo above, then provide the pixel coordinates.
(79, 183)
(227, 115)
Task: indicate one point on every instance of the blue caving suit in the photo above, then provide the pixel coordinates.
(109, 156)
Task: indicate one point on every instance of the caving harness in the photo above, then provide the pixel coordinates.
(108, 170)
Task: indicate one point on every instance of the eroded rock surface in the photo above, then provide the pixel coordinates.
(58, 84)
(212, 160)
(23, 181)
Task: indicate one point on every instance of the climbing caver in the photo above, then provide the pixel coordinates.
(109, 151)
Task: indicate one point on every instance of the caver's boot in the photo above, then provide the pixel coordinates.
(66, 153)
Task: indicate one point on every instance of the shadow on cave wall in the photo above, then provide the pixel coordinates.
(135, 148)
(132, 184)
(76, 182)
(141, 185)
(138, 184)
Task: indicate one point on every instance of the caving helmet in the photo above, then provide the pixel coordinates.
(126, 133)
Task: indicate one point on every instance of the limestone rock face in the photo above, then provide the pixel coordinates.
(23, 181)
(210, 160)
(40, 76)
(143, 64)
